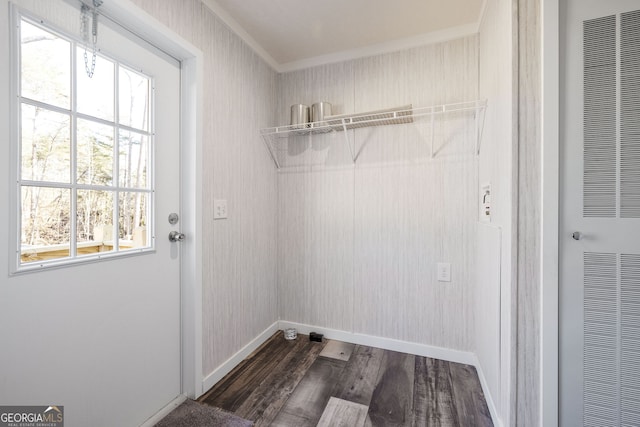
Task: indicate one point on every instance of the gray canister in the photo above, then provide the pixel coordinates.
(319, 111)
(299, 116)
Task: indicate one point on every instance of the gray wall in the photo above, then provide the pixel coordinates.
(529, 208)
(358, 247)
(495, 336)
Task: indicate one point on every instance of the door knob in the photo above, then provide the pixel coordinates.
(176, 236)
(576, 235)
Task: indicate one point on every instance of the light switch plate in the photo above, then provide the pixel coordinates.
(444, 272)
(219, 208)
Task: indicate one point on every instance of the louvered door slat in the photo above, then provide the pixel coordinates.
(600, 351)
(630, 338)
(630, 115)
(599, 187)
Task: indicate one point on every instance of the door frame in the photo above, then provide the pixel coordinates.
(550, 174)
(150, 29)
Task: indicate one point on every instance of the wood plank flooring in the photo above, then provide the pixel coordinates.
(301, 383)
(342, 413)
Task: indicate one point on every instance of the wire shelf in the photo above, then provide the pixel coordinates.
(276, 137)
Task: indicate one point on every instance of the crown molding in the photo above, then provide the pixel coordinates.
(240, 32)
(381, 48)
(345, 55)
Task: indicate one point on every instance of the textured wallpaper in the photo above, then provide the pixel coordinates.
(358, 246)
(239, 265)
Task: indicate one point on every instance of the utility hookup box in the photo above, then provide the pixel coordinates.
(313, 336)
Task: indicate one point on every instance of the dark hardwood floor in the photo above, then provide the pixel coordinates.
(302, 383)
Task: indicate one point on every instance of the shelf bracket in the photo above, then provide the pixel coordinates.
(347, 140)
(433, 153)
(480, 112)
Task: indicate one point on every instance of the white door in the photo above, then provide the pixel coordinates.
(101, 338)
(600, 202)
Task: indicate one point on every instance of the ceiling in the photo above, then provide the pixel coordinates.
(293, 34)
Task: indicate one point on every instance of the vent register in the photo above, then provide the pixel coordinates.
(630, 115)
(600, 174)
(611, 185)
(611, 117)
(611, 339)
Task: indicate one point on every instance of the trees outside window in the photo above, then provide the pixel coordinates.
(85, 151)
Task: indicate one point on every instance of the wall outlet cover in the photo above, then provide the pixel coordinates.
(444, 272)
(219, 208)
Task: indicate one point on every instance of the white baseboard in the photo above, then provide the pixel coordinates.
(222, 370)
(155, 419)
(386, 343)
(497, 422)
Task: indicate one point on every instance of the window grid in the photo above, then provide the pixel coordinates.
(116, 190)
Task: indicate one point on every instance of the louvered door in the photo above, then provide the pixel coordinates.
(600, 214)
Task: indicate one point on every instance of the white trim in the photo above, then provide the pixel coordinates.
(191, 220)
(155, 418)
(497, 421)
(222, 370)
(441, 353)
(148, 28)
(130, 16)
(240, 32)
(549, 267)
(14, 134)
(382, 48)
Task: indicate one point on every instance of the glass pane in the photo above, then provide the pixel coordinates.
(45, 62)
(134, 99)
(132, 220)
(45, 226)
(95, 221)
(46, 145)
(95, 94)
(95, 153)
(134, 154)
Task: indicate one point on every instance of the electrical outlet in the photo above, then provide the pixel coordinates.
(219, 209)
(444, 272)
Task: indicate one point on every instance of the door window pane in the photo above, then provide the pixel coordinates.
(95, 94)
(134, 99)
(133, 220)
(45, 62)
(46, 214)
(134, 153)
(94, 225)
(95, 153)
(46, 146)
